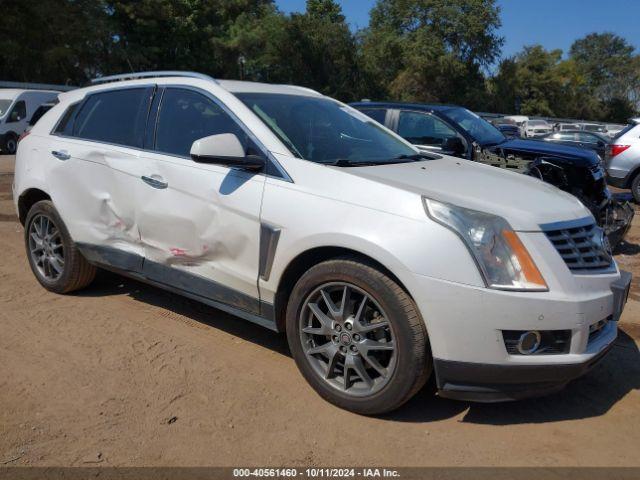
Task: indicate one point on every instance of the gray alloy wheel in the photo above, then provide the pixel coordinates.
(346, 336)
(46, 247)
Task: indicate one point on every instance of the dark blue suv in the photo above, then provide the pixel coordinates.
(454, 130)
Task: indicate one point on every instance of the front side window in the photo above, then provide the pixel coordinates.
(324, 131)
(186, 116)
(424, 129)
(477, 127)
(18, 112)
(116, 116)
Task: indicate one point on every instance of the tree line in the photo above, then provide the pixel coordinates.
(412, 50)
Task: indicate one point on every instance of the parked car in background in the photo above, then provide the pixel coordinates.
(509, 130)
(560, 127)
(517, 119)
(593, 127)
(40, 111)
(384, 266)
(454, 130)
(623, 159)
(613, 129)
(581, 138)
(16, 107)
(536, 128)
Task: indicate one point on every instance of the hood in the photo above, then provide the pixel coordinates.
(574, 155)
(525, 202)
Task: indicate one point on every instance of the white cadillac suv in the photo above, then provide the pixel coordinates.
(383, 265)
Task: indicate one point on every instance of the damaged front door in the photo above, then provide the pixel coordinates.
(199, 223)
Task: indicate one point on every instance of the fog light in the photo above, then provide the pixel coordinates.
(529, 342)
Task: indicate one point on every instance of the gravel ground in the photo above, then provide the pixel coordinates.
(123, 374)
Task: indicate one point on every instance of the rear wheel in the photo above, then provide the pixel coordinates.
(635, 188)
(357, 337)
(54, 259)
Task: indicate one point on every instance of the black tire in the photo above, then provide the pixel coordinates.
(76, 272)
(10, 144)
(635, 188)
(413, 363)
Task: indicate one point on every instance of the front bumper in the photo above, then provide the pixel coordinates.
(466, 325)
(477, 382)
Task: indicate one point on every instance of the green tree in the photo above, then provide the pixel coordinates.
(57, 41)
(610, 68)
(431, 50)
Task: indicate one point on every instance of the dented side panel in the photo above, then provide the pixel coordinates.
(95, 191)
(206, 222)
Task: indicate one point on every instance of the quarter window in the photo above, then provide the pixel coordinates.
(116, 116)
(65, 125)
(186, 116)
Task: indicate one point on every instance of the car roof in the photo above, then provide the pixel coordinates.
(238, 86)
(431, 107)
(9, 93)
(232, 86)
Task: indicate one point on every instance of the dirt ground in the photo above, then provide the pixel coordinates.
(124, 374)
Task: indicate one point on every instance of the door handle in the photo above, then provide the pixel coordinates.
(155, 181)
(61, 154)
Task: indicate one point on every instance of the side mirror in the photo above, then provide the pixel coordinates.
(225, 149)
(453, 146)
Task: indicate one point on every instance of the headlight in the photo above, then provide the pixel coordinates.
(503, 260)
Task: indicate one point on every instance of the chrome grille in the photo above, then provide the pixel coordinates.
(582, 247)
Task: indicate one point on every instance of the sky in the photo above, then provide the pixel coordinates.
(551, 23)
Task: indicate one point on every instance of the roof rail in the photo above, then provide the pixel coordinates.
(138, 75)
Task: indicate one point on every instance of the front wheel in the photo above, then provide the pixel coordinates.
(357, 337)
(54, 259)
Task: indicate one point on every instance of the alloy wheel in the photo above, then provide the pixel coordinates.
(46, 247)
(347, 339)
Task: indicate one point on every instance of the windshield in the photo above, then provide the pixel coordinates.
(538, 123)
(482, 131)
(324, 131)
(4, 106)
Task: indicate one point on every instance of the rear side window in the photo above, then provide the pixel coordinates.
(117, 117)
(378, 114)
(186, 116)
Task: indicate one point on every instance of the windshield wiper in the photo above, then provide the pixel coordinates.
(418, 156)
(345, 162)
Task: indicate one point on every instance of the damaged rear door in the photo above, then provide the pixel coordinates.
(98, 145)
(199, 223)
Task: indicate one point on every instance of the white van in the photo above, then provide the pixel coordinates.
(16, 108)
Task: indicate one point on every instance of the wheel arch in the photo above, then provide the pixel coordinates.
(632, 175)
(27, 199)
(313, 256)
